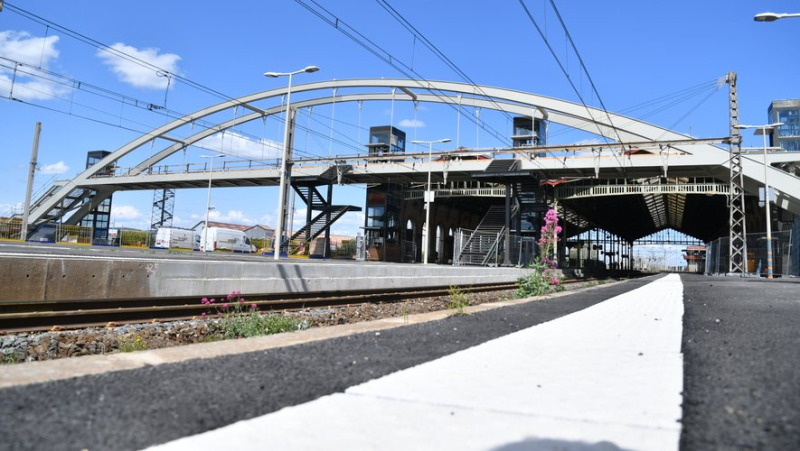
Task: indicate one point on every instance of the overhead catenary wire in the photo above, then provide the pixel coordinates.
(569, 79)
(439, 54)
(119, 53)
(668, 101)
(385, 56)
(108, 94)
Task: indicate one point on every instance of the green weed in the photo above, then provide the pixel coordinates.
(129, 343)
(458, 300)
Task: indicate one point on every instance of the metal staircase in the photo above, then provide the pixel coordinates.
(485, 243)
(321, 222)
(328, 215)
(39, 199)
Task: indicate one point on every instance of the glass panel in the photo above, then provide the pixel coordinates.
(791, 123)
(375, 216)
(791, 145)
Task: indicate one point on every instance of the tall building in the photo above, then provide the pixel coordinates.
(787, 136)
(98, 219)
(384, 200)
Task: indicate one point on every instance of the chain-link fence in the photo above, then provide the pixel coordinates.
(717, 254)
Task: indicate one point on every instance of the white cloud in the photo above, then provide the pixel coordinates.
(33, 52)
(22, 47)
(233, 217)
(267, 220)
(11, 209)
(121, 212)
(55, 168)
(410, 123)
(232, 143)
(135, 74)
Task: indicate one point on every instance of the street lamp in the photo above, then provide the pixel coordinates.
(208, 199)
(763, 130)
(772, 17)
(428, 197)
(279, 230)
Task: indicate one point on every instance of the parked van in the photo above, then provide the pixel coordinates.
(172, 238)
(227, 239)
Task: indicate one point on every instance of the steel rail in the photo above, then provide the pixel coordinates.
(74, 314)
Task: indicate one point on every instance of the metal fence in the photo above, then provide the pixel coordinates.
(10, 230)
(73, 234)
(717, 257)
(477, 248)
(132, 238)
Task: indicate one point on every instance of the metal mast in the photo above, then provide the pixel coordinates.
(163, 208)
(737, 262)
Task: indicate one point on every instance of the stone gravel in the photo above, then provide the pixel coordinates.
(28, 347)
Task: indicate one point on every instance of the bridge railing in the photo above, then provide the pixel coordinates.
(193, 168)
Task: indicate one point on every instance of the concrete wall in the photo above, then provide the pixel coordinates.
(36, 279)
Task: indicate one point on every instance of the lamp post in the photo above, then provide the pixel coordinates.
(208, 199)
(772, 17)
(763, 130)
(279, 229)
(428, 197)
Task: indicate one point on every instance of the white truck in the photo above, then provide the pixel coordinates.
(173, 238)
(219, 238)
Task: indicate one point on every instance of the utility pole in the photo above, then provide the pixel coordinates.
(31, 173)
(737, 262)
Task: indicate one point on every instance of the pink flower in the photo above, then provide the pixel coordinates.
(241, 300)
(230, 296)
(204, 301)
(253, 306)
(211, 301)
(204, 314)
(225, 306)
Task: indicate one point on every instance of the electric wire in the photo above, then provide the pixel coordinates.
(571, 82)
(106, 48)
(387, 57)
(436, 51)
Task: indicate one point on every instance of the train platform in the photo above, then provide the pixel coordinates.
(664, 362)
(33, 273)
(609, 376)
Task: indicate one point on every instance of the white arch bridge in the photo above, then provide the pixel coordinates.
(670, 180)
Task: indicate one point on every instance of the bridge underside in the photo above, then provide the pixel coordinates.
(635, 216)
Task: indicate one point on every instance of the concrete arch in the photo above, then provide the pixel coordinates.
(511, 101)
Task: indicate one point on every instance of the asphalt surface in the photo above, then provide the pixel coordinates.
(741, 346)
(138, 408)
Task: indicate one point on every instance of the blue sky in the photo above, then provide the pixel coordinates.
(635, 52)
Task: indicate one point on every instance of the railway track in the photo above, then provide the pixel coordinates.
(75, 314)
(18, 317)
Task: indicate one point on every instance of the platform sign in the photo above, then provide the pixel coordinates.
(429, 196)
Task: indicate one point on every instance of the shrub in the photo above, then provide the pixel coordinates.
(543, 278)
